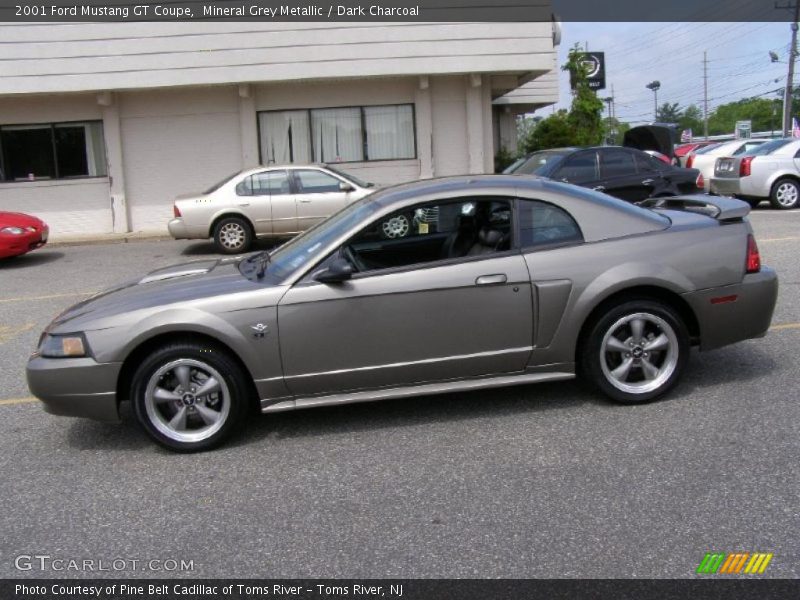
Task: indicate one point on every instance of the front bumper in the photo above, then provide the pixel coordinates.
(177, 229)
(15, 245)
(748, 316)
(75, 387)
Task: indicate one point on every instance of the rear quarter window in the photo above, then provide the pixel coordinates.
(544, 224)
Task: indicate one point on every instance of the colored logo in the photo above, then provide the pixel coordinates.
(734, 563)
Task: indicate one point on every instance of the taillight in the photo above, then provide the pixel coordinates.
(176, 211)
(690, 161)
(753, 257)
(744, 166)
(700, 183)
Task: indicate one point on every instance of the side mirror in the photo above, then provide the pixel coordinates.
(339, 270)
(345, 187)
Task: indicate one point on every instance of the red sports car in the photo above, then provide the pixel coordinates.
(20, 233)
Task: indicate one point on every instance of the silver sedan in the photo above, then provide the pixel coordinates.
(502, 280)
(275, 201)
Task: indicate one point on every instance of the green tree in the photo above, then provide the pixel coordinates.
(553, 132)
(669, 113)
(691, 118)
(764, 113)
(586, 112)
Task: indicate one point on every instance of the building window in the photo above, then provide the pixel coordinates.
(52, 151)
(346, 134)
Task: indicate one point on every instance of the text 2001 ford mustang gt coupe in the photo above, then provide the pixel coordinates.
(503, 280)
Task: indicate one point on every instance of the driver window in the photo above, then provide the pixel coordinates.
(433, 232)
(579, 168)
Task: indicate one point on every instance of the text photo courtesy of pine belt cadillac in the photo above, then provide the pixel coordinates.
(479, 294)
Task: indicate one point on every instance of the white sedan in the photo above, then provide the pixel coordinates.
(703, 159)
(276, 201)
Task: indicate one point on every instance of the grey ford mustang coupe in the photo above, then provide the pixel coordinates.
(503, 280)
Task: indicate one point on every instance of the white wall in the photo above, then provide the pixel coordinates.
(60, 57)
(176, 142)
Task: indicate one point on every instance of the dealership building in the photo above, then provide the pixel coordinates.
(103, 124)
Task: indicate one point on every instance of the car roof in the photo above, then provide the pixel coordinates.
(285, 166)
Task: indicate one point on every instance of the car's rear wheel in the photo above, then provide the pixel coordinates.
(233, 235)
(785, 194)
(189, 397)
(635, 352)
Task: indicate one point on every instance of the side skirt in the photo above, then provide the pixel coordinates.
(415, 390)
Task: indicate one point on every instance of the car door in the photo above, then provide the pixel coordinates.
(319, 195)
(254, 203)
(443, 319)
(579, 168)
(273, 189)
(620, 177)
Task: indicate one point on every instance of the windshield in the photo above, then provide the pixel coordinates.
(768, 147)
(535, 164)
(219, 184)
(356, 180)
(514, 166)
(304, 249)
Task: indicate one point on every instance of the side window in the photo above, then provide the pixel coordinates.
(315, 182)
(245, 186)
(616, 163)
(542, 224)
(579, 168)
(433, 232)
(647, 164)
(270, 183)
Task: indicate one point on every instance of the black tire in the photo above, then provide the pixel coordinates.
(785, 194)
(753, 202)
(233, 235)
(597, 361)
(159, 371)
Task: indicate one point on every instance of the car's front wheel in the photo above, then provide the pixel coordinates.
(785, 194)
(233, 235)
(189, 397)
(635, 352)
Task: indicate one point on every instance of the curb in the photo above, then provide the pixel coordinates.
(111, 238)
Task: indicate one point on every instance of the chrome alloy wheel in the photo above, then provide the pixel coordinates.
(786, 194)
(639, 353)
(187, 400)
(232, 235)
(396, 227)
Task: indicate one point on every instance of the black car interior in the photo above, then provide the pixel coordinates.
(472, 228)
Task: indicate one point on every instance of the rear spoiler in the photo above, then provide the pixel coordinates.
(720, 208)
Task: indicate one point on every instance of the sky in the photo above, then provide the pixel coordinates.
(739, 65)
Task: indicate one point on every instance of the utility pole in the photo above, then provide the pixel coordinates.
(787, 93)
(705, 94)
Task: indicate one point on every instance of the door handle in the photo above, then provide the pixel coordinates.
(305, 201)
(491, 279)
(599, 188)
(647, 182)
(244, 204)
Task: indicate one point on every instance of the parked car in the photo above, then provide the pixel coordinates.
(523, 280)
(625, 173)
(276, 201)
(771, 171)
(704, 159)
(682, 151)
(21, 233)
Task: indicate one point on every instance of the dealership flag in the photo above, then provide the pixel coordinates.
(795, 128)
(686, 135)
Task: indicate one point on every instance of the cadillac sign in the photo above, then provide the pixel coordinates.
(595, 63)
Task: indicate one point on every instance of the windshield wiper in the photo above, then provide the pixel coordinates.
(263, 261)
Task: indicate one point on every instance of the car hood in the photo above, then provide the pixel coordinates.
(184, 283)
(14, 219)
(651, 137)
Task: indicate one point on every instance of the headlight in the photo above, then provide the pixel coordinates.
(63, 346)
(12, 230)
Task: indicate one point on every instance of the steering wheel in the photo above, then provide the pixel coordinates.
(353, 258)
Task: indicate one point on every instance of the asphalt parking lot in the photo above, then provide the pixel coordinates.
(532, 481)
